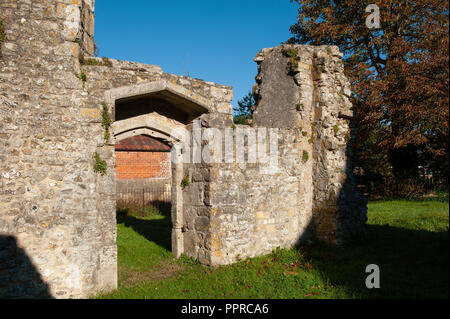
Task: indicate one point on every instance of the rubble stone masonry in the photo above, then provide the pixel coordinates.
(57, 154)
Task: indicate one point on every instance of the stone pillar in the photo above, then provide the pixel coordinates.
(177, 217)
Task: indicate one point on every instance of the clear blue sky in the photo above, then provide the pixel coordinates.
(213, 40)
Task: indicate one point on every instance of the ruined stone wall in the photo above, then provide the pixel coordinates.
(57, 214)
(302, 92)
(57, 206)
(257, 207)
(126, 77)
(304, 87)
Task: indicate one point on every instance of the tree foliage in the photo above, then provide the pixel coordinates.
(399, 75)
(245, 109)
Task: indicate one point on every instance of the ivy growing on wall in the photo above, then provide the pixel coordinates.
(2, 37)
(106, 122)
(186, 181)
(292, 54)
(82, 76)
(100, 165)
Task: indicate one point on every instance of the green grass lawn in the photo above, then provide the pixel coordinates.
(407, 240)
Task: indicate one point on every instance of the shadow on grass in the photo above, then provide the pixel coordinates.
(413, 263)
(158, 230)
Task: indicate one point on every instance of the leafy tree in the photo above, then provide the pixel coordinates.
(245, 109)
(399, 74)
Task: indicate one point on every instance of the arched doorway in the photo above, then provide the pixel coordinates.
(160, 111)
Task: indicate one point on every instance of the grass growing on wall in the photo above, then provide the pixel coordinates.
(407, 240)
(94, 62)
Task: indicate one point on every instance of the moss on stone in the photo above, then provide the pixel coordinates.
(293, 66)
(291, 52)
(186, 181)
(305, 156)
(336, 129)
(82, 76)
(106, 62)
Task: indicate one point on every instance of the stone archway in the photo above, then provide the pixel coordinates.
(171, 91)
(147, 125)
(163, 127)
